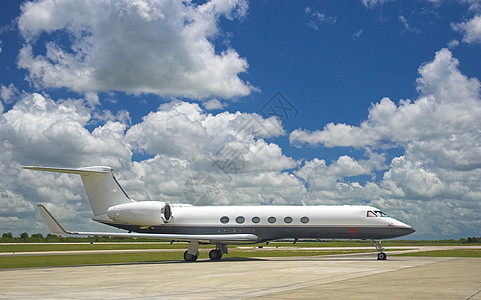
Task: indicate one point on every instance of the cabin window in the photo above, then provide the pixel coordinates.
(224, 220)
(271, 220)
(240, 219)
(288, 220)
(371, 214)
(305, 220)
(256, 220)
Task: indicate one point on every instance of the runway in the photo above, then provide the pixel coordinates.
(332, 277)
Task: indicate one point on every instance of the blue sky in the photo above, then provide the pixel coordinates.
(383, 100)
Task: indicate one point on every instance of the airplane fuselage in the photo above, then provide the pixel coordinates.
(277, 222)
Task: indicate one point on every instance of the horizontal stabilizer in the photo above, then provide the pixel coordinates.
(55, 227)
(80, 171)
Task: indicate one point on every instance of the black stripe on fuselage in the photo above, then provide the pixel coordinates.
(269, 233)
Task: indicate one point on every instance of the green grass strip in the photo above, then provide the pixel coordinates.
(100, 259)
(30, 247)
(445, 253)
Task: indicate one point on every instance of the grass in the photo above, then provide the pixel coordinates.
(37, 247)
(446, 253)
(30, 247)
(101, 259)
(84, 259)
(138, 257)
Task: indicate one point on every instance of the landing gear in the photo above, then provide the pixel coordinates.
(192, 253)
(215, 254)
(190, 257)
(380, 254)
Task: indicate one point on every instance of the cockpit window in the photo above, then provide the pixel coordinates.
(376, 213)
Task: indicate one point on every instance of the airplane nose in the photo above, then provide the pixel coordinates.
(401, 227)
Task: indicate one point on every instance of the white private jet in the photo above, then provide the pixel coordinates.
(222, 225)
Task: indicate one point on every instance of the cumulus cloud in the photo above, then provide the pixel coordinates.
(453, 44)
(228, 158)
(471, 30)
(40, 129)
(182, 130)
(335, 135)
(213, 104)
(182, 140)
(435, 177)
(160, 47)
(8, 93)
(448, 104)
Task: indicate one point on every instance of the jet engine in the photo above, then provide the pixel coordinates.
(144, 213)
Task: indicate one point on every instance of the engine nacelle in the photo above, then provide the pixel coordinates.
(144, 213)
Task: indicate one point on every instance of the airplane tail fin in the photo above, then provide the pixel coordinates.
(103, 190)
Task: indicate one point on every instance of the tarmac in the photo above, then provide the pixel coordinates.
(358, 276)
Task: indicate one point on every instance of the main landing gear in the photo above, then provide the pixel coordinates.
(191, 254)
(380, 254)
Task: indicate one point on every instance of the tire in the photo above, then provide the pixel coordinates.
(189, 257)
(215, 254)
(381, 256)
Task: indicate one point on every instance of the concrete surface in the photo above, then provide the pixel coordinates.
(333, 277)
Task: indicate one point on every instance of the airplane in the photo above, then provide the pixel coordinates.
(221, 225)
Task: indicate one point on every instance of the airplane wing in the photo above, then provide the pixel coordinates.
(55, 227)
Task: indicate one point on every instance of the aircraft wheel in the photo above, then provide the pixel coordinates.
(381, 256)
(189, 257)
(215, 254)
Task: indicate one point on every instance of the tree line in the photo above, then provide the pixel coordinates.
(53, 238)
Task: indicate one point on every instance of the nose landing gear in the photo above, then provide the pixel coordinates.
(380, 254)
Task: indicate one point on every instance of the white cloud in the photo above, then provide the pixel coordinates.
(358, 34)
(37, 129)
(453, 44)
(183, 139)
(184, 131)
(436, 179)
(448, 104)
(474, 5)
(471, 30)
(407, 26)
(335, 135)
(159, 47)
(373, 3)
(8, 93)
(317, 19)
(213, 104)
